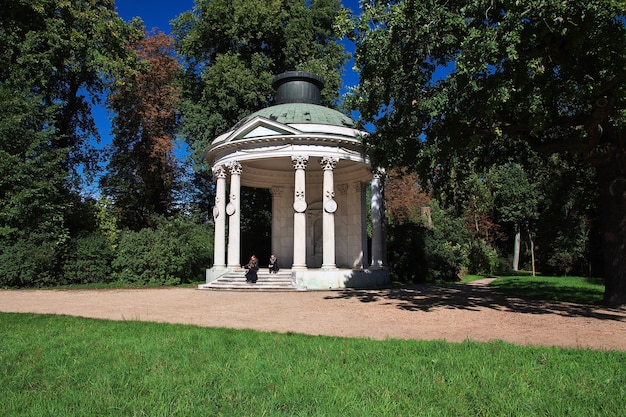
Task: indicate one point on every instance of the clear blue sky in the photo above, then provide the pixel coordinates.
(154, 13)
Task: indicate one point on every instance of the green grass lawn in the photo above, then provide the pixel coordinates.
(67, 366)
(575, 289)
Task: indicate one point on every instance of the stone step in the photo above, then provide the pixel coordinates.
(280, 281)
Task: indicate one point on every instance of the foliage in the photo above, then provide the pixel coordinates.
(406, 255)
(57, 365)
(57, 58)
(175, 251)
(30, 262)
(516, 198)
(482, 258)
(444, 79)
(418, 252)
(446, 246)
(88, 261)
(404, 197)
(233, 49)
(143, 176)
(56, 55)
(567, 228)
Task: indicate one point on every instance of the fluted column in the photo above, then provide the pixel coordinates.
(219, 217)
(233, 209)
(328, 216)
(377, 231)
(299, 212)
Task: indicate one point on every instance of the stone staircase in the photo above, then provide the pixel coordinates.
(236, 280)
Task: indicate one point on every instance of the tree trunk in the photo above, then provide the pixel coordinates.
(516, 248)
(532, 252)
(612, 210)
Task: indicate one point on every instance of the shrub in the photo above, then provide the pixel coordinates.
(176, 251)
(30, 262)
(418, 253)
(445, 245)
(482, 258)
(89, 260)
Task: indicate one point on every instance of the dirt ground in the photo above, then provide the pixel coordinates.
(454, 313)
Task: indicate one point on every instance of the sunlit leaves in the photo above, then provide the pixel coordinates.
(233, 49)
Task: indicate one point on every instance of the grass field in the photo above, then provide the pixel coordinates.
(66, 366)
(574, 289)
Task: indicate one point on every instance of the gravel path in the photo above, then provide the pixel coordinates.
(454, 313)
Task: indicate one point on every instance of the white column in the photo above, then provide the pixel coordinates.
(219, 218)
(233, 209)
(377, 230)
(299, 212)
(328, 215)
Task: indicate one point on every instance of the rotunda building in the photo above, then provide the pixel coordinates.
(312, 160)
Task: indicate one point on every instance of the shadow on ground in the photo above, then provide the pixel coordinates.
(473, 297)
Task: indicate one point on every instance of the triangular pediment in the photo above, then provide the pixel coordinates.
(261, 127)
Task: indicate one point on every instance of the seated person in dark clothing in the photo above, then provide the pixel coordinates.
(273, 265)
(252, 267)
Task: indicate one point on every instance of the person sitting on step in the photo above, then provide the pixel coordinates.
(273, 265)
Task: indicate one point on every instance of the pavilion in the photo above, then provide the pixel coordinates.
(312, 160)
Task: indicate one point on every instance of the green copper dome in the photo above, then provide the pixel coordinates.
(292, 113)
(298, 101)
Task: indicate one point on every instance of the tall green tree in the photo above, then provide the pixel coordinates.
(143, 175)
(56, 57)
(441, 77)
(232, 49)
(516, 199)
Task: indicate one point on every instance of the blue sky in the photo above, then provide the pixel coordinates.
(154, 13)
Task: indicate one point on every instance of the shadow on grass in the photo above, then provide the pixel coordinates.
(545, 291)
(474, 297)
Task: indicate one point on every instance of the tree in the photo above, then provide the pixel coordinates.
(56, 57)
(516, 199)
(567, 227)
(232, 49)
(440, 78)
(143, 175)
(404, 197)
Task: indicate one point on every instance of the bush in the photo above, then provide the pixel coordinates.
(445, 245)
(405, 252)
(89, 260)
(30, 263)
(418, 253)
(482, 258)
(176, 251)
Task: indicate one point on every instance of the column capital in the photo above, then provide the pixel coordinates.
(379, 173)
(235, 168)
(219, 171)
(299, 161)
(329, 163)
